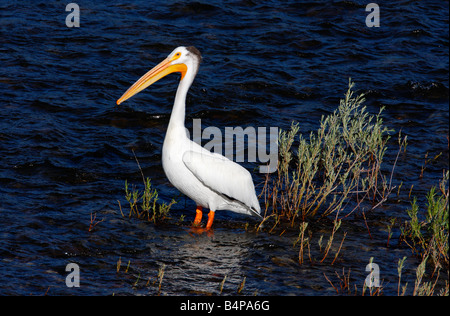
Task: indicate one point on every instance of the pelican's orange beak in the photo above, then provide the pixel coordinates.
(161, 70)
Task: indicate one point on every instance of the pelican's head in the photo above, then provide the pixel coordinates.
(180, 60)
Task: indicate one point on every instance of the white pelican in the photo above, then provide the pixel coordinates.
(211, 180)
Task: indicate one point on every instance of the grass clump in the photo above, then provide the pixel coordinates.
(426, 232)
(341, 160)
(144, 205)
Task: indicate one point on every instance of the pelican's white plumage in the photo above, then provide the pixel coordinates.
(236, 197)
(211, 180)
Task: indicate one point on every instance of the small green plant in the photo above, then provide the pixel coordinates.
(400, 265)
(421, 287)
(346, 288)
(144, 204)
(160, 277)
(426, 232)
(341, 160)
(147, 200)
(304, 240)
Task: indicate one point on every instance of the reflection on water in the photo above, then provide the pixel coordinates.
(203, 262)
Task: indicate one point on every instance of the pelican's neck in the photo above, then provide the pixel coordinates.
(179, 107)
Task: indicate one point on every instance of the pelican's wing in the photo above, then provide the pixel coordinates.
(223, 176)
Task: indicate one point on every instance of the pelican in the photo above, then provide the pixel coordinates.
(210, 179)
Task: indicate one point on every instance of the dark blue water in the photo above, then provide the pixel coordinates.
(66, 149)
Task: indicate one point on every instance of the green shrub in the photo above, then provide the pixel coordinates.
(144, 204)
(342, 159)
(426, 232)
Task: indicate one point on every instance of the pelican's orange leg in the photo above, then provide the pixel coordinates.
(196, 229)
(210, 220)
(198, 216)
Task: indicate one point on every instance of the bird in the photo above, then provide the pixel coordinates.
(211, 180)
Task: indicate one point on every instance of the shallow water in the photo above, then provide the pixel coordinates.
(66, 149)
